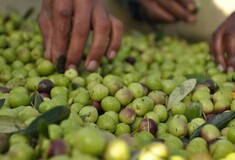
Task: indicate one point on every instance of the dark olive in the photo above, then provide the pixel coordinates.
(98, 107)
(4, 90)
(148, 125)
(45, 86)
(211, 85)
(130, 60)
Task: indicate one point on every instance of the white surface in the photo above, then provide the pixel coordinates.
(20, 6)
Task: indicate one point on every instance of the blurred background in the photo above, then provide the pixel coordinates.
(211, 13)
(19, 6)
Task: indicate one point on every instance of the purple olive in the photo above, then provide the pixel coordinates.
(211, 85)
(57, 147)
(44, 95)
(4, 90)
(98, 107)
(45, 86)
(210, 116)
(130, 60)
(148, 125)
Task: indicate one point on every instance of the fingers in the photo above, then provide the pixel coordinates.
(89, 15)
(115, 38)
(101, 31)
(61, 21)
(223, 41)
(188, 4)
(217, 47)
(229, 41)
(46, 26)
(177, 10)
(80, 31)
(66, 25)
(156, 12)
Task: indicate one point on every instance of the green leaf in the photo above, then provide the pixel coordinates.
(193, 111)
(2, 101)
(36, 100)
(54, 115)
(9, 124)
(180, 92)
(220, 121)
(43, 128)
(199, 77)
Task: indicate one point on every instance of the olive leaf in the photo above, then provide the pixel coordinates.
(199, 77)
(54, 115)
(43, 128)
(180, 92)
(36, 100)
(193, 111)
(220, 121)
(2, 101)
(9, 124)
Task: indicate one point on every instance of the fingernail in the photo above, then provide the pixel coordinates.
(92, 66)
(220, 68)
(191, 18)
(230, 69)
(112, 54)
(72, 66)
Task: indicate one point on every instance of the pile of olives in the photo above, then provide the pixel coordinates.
(142, 105)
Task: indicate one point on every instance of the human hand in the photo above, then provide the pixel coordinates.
(66, 25)
(223, 44)
(169, 10)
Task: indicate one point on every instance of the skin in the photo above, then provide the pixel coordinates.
(223, 44)
(66, 25)
(169, 11)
